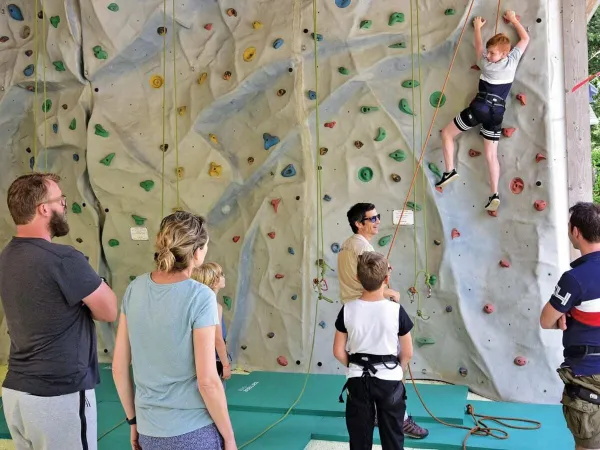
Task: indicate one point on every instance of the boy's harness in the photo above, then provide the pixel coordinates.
(491, 99)
(368, 362)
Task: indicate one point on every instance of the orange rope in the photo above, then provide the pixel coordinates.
(412, 184)
(498, 16)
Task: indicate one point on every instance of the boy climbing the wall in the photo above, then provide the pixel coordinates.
(498, 67)
(368, 331)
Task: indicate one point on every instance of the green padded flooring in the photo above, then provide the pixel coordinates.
(259, 399)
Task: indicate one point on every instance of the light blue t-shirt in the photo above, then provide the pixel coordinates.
(160, 320)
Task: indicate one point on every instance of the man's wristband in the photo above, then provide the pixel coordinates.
(131, 421)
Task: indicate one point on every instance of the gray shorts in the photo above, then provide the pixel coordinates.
(205, 438)
(51, 423)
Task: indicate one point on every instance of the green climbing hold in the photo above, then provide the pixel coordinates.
(113, 243)
(76, 208)
(398, 155)
(385, 240)
(228, 302)
(147, 185)
(398, 45)
(414, 206)
(435, 169)
(410, 84)
(425, 341)
(73, 124)
(368, 109)
(132, 277)
(366, 24)
(381, 135)
(405, 107)
(435, 98)
(450, 12)
(396, 17)
(432, 280)
(59, 66)
(113, 7)
(365, 174)
(100, 131)
(47, 105)
(99, 53)
(343, 71)
(139, 220)
(107, 160)
(55, 20)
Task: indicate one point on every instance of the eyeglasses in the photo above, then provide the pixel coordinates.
(372, 219)
(62, 199)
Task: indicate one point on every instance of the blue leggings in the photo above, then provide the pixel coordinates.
(205, 438)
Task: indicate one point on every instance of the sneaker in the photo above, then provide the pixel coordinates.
(493, 202)
(447, 177)
(414, 431)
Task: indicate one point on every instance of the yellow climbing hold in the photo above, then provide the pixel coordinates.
(180, 171)
(249, 54)
(213, 138)
(181, 110)
(215, 170)
(156, 81)
(202, 78)
(257, 25)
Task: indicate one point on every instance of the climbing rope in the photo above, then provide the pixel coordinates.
(35, 88)
(498, 16)
(45, 94)
(174, 40)
(164, 97)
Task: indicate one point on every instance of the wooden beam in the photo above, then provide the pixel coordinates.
(590, 8)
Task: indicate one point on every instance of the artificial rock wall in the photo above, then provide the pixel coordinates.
(221, 106)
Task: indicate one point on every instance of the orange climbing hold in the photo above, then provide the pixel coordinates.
(275, 203)
(475, 67)
(329, 124)
(488, 308)
(539, 157)
(282, 361)
(517, 185)
(473, 153)
(236, 239)
(208, 26)
(279, 276)
(504, 263)
(540, 205)
(439, 189)
(455, 233)
(522, 98)
(271, 234)
(493, 213)
(520, 361)
(508, 132)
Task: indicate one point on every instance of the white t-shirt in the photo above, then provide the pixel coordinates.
(352, 248)
(503, 71)
(373, 327)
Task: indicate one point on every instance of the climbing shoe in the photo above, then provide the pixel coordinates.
(447, 177)
(493, 202)
(414, 431)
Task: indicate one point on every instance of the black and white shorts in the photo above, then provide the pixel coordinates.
(481, 112)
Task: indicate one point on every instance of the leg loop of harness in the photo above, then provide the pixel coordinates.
(367, 362)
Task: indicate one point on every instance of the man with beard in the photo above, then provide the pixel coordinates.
(364, 222)
(51, 296)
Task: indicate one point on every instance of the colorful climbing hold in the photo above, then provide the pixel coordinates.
(398, 45)
(520, 361)
(449, 309)
(28, 52)
(227, 76)
(25, 32)
(59, 66)
(493, 213)
(249, 54)
(100, 131)
(432, 280)
(421, 341)
(79, 240)
(312, 95)
(271, 234)
(156, 81)
(181, 110)
(322, 324)
(76, 208)
(202, 78)
(31, 162)
(463, 372)
(236, 239)
(398, 155)
(47, 105)
(327, 198)
(368, 109)
(517, 185)
(329, 124)
(15, 12)
(385, 240)
(99, 53)
(450, 12)
(342, 3)
(319, 37)
(147, 185)
(275, 204)
(508, 132)
(396, 17)
(540, 205)
(335, 247)
(75, 157)
(257, 25)
(215, 169)
(4, 39)
(282, 361)
(323, 151)
(405, 107)
(180, 172)
(365, 174)
(289, 171)
(437, 242)
(208, 26)
(163, 147)
(269, 140)
(277, 43)
(414, 206)
(244, 347)
(358, 144)
(437, 98)
(435, 169)
(132, 277)
(270, 335)
(488, 308)
(522, 98)
(343, 71)
(294, 297)
(161, 31)
(366, 24)
(539, 157)
(281, 92)
(410, 84)
(279, 276)
(29, 70)
(227, 301)
(504, 263)
(232, 12)
(291, 251)
(475, 67)
(113, 243)
(107, 160)
(381, 134)
(73, 124)
(396, 178)
(139, 220)
(55, 20)
(250, 160)
(455, 233)
(473, 153)
(113, 7)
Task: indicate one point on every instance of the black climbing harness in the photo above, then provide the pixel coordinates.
(368, 362)
(581, 351)
(491, 99)
(576, 390)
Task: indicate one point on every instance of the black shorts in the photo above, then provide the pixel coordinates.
(485, 112)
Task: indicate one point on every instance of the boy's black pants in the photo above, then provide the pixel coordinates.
(364, 395)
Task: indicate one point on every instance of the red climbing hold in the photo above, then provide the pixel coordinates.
(329, 124)
(517, 16)
(517, 185)
(540, 205)
(539, 157)
(488, 308)
(504, 263)
(508, 132)
(439, 189)
(208, 26)
(455, 233)
(473, 153)
(520, 361)
(279, 276)
(236, 239)
(275, 203)
(475, 67)
(493, 213)
(522, 98)
(282, 361)
(271, 234)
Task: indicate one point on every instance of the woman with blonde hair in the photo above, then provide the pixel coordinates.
(167, 329)
(211, 274)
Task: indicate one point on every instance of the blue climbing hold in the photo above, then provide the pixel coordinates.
(294, 297)
(75, 157)
(29, 70)
(270, 140)
(15, 12)
(31, 162)
(55, 128)
(322, 324)
(342, 3)
(319, 36)
(312, 95)
(289, 171)
(277, 43)
(327, 198)
(291, 251)
(335, 247)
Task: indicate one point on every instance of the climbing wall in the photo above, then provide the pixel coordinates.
(212, 108)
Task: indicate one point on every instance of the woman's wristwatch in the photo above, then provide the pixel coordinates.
(131, 421)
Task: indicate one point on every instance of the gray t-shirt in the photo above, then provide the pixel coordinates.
(160, 321)
(52, 333)
(503, 71)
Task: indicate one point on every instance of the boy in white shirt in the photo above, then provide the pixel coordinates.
(368, 331)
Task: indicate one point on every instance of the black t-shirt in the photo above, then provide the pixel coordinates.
(52, 333)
